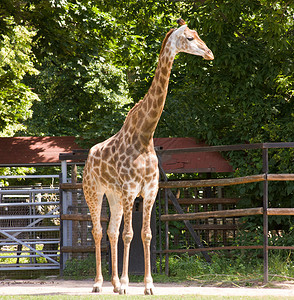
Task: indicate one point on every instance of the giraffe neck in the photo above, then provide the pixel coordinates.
(142, 120)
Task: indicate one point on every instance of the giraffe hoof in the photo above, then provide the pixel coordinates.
(148, 292)
(122, 291)
(96, 289)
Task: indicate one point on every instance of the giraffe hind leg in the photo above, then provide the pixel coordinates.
(94, 202)
(127, 238)
(116, 212)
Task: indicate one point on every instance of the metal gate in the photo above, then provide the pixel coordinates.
(29, 227)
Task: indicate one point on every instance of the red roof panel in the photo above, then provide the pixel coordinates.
(198, 162)
(15, 151)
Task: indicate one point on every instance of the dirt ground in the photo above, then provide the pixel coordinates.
(84, 287)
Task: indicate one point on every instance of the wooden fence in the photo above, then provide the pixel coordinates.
(265, 177)
(186, 217)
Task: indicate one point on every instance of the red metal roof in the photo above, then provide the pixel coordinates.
(25, 151)
(21, 151)
(198, 162)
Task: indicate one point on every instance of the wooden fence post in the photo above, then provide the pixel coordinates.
(265, 215)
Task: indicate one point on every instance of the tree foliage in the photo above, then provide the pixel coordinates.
(97, 58)
(16, 60)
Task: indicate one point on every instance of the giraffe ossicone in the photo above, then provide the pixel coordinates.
(125, 165)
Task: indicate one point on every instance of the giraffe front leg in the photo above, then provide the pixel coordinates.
(113, 238)
(146, 239)
(146, 236)
(127, 238)
(148, 281)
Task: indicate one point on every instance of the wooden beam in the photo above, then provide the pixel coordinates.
(71, 186)
(205, 182)
(214, 214)
(281, 247)
(193, 251)
(280, 177)
(211, 182)
(82, 249)
(280, 211)
(80, 217)
(215, 226)
(77, 249)
(192, 201)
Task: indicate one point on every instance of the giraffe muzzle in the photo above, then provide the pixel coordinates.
(208, 55)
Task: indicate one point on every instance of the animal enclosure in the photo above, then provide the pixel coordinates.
(210, 218)
(192, 216)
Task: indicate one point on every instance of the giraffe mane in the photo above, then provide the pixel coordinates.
(162, 47)
(165, 39)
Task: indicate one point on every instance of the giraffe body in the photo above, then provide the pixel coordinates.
(126, 166)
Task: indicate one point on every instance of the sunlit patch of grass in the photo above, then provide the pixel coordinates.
(8, 255)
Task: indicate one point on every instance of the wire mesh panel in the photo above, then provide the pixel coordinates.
(77, 239)
(29, 228)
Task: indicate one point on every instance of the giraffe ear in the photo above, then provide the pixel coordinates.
(180, 30)
(180, 21)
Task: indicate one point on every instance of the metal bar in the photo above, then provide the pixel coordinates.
(39, 242)
(27, 256)
(28, 176)
(28, 246)
(278, 145)
(36, 229)
(61, 226)
(28, 191)
(24, 268)
(265, 215)
(63, 210)
(23, 217)
(28, 204)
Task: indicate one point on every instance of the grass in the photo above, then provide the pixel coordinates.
(131, 297)
(239, 269)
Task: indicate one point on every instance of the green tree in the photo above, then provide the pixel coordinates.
(245, 95)
(16, 60)
(92, 45)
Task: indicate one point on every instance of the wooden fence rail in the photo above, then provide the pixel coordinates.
(206, 182)
(228, 213)
(213, 214)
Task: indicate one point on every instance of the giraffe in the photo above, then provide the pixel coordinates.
(126, 166)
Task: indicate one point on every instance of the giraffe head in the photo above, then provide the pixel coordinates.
(187, 40)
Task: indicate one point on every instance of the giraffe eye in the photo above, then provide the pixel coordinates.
(190, 38)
